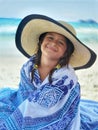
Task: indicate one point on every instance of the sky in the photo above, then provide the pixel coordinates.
(71, 10)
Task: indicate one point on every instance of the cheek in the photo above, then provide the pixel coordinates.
(64, 49)
(42, 46)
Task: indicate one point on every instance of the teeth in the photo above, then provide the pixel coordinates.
(54, 49)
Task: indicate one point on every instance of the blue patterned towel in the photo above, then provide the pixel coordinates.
(40, 105)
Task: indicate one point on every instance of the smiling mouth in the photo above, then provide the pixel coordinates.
(51, 48)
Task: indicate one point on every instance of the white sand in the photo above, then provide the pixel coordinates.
(10, 70)
(10, 76)
(88, 78)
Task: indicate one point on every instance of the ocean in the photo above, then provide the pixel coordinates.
(87, 32)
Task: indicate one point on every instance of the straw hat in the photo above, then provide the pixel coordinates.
(32, 26)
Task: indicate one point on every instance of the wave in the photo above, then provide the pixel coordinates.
(86, 31)
(8, 29)
(13, 28)
(8, 26)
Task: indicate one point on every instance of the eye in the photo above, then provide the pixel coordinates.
(61, 42)
(49, 37)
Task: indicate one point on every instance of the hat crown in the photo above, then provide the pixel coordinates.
(68, 26)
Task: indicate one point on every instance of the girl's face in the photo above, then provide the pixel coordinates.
(53, 46)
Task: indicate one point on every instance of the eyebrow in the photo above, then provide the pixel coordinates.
(50, 33)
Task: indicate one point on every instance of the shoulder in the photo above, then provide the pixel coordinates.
(30, 61)
(67, 71)
(29, 64)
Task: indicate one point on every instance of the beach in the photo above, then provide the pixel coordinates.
(10, 70)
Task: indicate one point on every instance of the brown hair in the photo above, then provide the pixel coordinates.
(62, 62)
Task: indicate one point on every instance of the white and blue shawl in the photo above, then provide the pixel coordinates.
(40, 105)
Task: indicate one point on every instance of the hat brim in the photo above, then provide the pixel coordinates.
(32, 26)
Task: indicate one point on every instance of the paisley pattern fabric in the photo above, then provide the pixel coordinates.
(39, 105)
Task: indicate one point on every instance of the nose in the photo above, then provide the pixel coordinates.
(54, 43)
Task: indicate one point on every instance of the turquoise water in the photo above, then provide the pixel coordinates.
(8, 28)
(87, 32)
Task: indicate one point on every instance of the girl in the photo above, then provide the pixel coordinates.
(48, 97)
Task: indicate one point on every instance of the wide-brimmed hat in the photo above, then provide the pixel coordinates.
(32, 26)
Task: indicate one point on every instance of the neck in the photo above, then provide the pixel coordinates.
(45, 67)
(48, 63)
